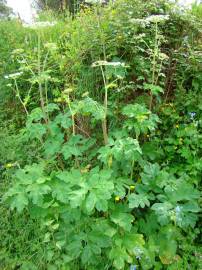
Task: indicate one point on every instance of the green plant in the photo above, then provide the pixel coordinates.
(112, 172)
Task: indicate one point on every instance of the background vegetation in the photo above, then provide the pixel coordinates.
(101, 138)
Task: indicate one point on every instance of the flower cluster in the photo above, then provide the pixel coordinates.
(13, 75)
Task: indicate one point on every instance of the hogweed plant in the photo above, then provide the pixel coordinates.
(121, 191)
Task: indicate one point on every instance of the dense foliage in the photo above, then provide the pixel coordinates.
(101, 137)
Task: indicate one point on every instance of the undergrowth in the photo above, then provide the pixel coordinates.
(101, 138)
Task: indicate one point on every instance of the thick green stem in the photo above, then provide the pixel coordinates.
(39, 82)
(72, 116)
(19, 97)
(154, 62)
(104, 122)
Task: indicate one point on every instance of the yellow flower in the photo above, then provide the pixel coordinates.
(117, 199)
(132, 188)
(177, 126)
(9, 165)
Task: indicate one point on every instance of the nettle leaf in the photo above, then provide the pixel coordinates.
(122, 218)
(136, 200)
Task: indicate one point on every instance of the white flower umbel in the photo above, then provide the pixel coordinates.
(13, 75)
(38, 25)
(157, 18)
(141, 22)
(105, 63)
(95, 1)
(150, 19)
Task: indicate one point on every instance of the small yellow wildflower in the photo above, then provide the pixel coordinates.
(132, 188)
(9, 165)
(177, 126)
(117, 199)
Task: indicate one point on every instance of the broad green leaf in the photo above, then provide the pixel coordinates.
(90, 201)
(53, 145)
(122, 219)
(36, 131)
(155, 89)
(136, 200)
(36, 192)
(87, 254)
(162, 211)
(75, 247)
(77, 197)
(51, 107)
(181, 191)
(60, 190)
(19, 201)
(119, 256)
(133, 242)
